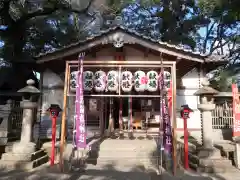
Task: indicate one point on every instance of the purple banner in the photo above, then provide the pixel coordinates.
(167, 132)
(80, 135)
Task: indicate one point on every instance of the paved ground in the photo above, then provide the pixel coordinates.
(113, 161)
(110, 172)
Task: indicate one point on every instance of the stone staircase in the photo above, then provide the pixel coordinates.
(218, 163)
(125, 153)
(12, 161)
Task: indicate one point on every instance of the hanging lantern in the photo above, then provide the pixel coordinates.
(140, 81)
(87, 80)
(152, 83)
(112, 81)
(99, 81)
(167, 79)
(73, 80)
(126, 81)
(167, 75)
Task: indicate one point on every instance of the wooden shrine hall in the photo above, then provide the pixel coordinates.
(121, 72)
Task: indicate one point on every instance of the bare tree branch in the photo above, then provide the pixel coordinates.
(208, 32)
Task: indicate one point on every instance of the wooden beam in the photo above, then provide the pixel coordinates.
(93, 53)
(178, 60)
(124, 62)
(117, 95)
(116, 66)
(146, 52)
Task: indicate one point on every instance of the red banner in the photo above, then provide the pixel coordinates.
(236, 111)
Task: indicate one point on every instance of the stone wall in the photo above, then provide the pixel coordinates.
(53, 85)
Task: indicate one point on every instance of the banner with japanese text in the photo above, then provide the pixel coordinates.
(236, 111)
(165, 113)
(80, 135)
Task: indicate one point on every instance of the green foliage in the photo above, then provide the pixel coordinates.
(33, 27)
(29, 26)
(225, 77)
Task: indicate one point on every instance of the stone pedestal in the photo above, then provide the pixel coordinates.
(237, 155)
(237, 152)
(207, 130)
(209, 157)
(26, 146)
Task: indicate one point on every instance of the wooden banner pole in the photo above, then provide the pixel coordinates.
(63, 122)
(174, 119)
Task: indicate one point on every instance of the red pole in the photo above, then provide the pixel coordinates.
(54, 119)
(186, 165)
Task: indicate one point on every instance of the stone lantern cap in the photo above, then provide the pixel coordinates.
(29, 88)
(206, 89)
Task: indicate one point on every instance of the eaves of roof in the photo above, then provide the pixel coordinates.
(148, 41)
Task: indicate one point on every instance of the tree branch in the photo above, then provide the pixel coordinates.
(48, 11)
(208, 33)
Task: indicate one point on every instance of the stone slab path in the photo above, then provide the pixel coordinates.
(108, 173)
(116, 160)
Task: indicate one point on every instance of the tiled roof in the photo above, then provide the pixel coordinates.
(135, 33)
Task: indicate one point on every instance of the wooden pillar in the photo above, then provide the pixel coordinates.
(63, 122)
(111, 121)
(101, 116)
(130, 125)
(120, 57)
(174, 118)
(120, 115)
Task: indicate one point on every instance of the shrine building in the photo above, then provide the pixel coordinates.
(121, 70)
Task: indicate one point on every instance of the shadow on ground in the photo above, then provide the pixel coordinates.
(108, 171)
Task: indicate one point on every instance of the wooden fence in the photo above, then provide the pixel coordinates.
(222, 116)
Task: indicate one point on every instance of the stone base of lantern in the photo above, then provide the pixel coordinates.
(211, 161)
(24, 148)
(23, 156)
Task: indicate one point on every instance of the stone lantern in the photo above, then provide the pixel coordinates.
(26, 146)
(206, 106)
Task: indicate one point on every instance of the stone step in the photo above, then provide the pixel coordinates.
(216, 162)
(213, 169)
(122, 161)
(38, 154)
(8, 147)
(23, 165)
(217, 169)
(9, 156)
(125, 158)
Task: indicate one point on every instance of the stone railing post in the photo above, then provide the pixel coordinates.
(5, 125)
